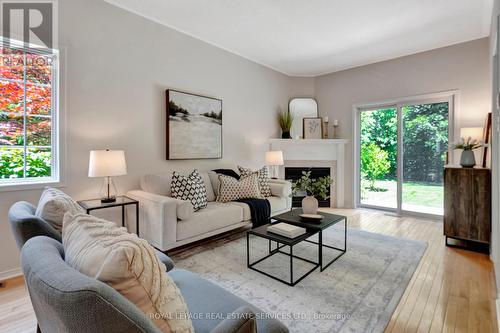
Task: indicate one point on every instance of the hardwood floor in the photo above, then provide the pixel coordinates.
(452, 290)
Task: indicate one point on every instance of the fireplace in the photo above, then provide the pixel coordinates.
(294, 173)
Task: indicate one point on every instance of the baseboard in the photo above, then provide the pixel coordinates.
(498, 309)
(11, 273)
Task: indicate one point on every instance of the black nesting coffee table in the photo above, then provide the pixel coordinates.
(312, 228)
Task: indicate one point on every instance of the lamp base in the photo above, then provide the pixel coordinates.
(108, 200)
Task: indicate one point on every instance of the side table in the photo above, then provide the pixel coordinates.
(121, 201)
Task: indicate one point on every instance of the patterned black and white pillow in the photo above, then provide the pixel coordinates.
(263, 175)
(231, 189)
(190, 188)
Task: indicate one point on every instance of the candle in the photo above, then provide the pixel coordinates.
(325, 119)
(335, 122)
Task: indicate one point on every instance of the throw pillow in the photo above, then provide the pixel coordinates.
(190, 188)
(263, 174)
(233, 189)
(53, 204)
(102, 250)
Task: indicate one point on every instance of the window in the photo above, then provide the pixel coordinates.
(28, 116)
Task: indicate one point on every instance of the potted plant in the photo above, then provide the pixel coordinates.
(467, 160)
(285, 120)
(314, 188)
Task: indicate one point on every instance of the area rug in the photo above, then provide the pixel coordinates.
(357, 293)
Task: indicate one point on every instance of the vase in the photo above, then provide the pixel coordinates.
(467, 160)
(310, 205)
(286, 135)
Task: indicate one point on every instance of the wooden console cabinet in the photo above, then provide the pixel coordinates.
(467, 204)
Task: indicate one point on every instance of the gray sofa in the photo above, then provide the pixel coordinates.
(65, 300)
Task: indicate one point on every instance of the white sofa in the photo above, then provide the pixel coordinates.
(168, 223)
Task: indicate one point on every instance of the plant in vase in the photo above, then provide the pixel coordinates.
(314, 188)
(285, 120)
(467, 160)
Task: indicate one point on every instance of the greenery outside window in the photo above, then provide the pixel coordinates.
(28, 115)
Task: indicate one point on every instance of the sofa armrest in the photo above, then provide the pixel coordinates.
(280, 188)
(158, 218)
(169, 264)
(240, 321)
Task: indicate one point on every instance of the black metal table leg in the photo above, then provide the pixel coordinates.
(123, 216)
(248, 250)
(137, 218)
(291, 265)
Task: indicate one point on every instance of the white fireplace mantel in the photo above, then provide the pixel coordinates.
(314, 150)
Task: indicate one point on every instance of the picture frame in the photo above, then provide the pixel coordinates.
(486, 158)
(193, 126)
(312, 128)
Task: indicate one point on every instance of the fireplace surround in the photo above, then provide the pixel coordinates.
(315, 153)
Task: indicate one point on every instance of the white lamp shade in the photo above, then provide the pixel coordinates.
(274, 157)
(475, 133)
(107, 163)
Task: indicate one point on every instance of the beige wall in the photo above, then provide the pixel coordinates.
(463, 66)
(117, 67)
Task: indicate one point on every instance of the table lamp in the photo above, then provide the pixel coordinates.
(475, 133)
(274, 159)
(107, 163)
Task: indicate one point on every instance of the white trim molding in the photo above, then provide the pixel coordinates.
(11, 273)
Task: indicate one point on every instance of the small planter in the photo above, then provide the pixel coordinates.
(467, 160)
(310, 205)
(286, 135)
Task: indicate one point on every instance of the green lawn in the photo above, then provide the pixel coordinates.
(423, 194)
(423, 197)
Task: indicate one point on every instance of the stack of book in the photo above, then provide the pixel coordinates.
(287, 230)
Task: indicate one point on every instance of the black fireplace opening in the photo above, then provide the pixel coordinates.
(294, 173)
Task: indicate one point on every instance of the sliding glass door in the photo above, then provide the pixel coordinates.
(378, 157)
(425, 142)
(402, 151)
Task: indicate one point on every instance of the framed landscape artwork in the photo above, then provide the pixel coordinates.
(313, 128)
(194, 126)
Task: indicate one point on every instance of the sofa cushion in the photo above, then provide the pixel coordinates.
(263, 175)
(203, 296)
(160, 184)
(233, 189)
(106, 252)
(53, 204)
(190, 188)
(215, 216)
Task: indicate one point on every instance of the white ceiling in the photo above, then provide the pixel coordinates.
(313, 37)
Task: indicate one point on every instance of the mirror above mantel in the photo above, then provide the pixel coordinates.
(300, 108)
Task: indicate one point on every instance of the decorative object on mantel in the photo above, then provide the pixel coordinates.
(313, 188)
(107, 163)
(325, 127)
(468, 143)
(486, 158)
(313, 128)
(285, 120)
(335, 125)
(194, 126)
(301, 108)
(274, 159)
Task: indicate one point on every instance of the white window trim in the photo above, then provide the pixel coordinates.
(452, 95)
(58, 133)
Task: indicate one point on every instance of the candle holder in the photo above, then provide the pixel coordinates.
(335, 125)
(325, 129)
